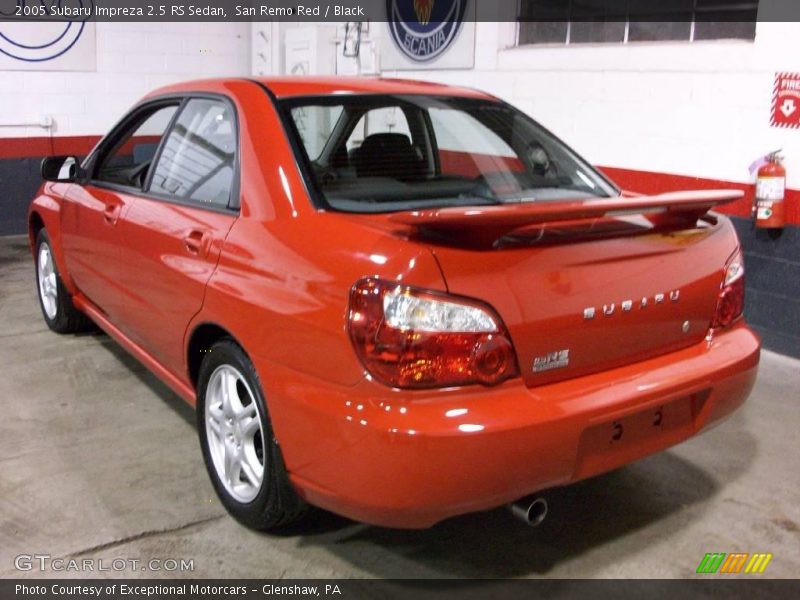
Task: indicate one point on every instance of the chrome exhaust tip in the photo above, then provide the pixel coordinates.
(530, 511)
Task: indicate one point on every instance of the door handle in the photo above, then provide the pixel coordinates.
(194, 241)
(111, 213)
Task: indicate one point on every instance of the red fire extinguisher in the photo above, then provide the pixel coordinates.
(768, 206)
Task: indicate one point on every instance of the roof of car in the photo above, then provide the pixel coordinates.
(285, 87)
(311, 86)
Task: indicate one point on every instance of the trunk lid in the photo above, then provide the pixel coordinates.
(590, 287)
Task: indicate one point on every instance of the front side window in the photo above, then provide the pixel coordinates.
(197, 162)
(390, 153)
(128, 160)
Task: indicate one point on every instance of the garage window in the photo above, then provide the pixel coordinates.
(624, 21)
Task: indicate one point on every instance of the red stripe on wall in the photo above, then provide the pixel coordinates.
(471, 164)
(648, 182)
(46, 146)
(645, 182)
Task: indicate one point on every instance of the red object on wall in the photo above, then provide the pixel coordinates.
(768, 208)
(786, 101)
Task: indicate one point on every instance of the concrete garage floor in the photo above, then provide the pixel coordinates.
(100, 460)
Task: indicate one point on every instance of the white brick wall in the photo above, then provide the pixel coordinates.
(694, 109)
(697, 109)
(132, 59)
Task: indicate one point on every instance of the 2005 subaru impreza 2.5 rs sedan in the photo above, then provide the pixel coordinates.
(397, 301)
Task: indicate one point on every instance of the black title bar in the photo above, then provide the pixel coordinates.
(377, 10)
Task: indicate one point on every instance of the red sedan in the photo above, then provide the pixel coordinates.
(397, 301)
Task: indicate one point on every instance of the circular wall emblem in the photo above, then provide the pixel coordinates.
(424, 29)
(44, 40)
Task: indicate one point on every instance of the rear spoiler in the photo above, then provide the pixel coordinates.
(493, 222)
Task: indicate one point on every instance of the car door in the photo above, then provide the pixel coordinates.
(91, 211)
(172, 235)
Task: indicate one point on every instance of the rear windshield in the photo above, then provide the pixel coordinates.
(383, 153)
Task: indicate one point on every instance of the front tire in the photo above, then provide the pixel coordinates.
(239, 449)
(55, 301)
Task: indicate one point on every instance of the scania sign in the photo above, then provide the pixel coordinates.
(424, 29)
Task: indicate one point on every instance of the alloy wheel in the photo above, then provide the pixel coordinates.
(235, 433)
(48, 286)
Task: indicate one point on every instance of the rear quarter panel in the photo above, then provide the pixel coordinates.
(282, 288)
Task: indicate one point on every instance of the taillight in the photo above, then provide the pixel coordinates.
(730, 304)
(411, 338)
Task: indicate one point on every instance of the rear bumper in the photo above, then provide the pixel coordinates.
(405, 459)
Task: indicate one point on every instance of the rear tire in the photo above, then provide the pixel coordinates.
(55, 301)
(241, 454)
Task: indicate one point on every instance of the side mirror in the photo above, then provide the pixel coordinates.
(64, 169)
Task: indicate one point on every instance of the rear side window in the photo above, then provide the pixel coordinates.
(198, 159)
